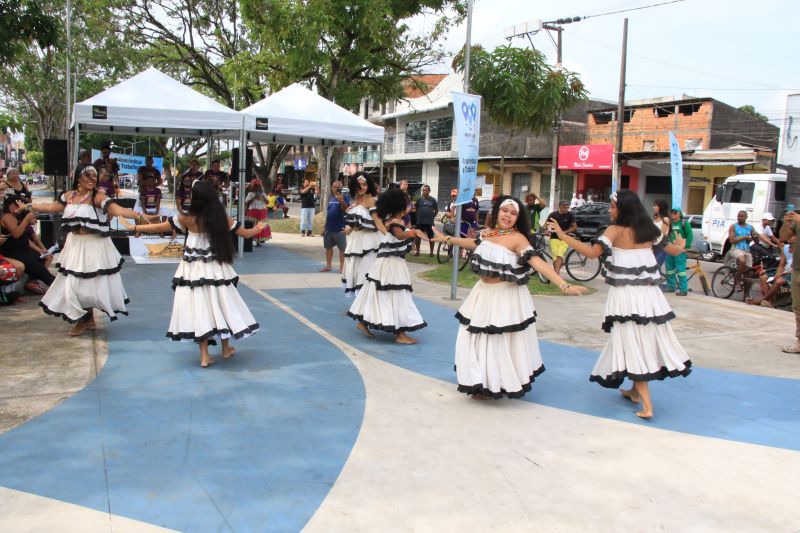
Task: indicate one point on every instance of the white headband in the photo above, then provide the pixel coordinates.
(509, 201)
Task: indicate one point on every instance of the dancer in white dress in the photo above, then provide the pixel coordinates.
(363, 239)
(497, 349)
(207, 304)
(642, 346)
(89, 265)
(384, 302)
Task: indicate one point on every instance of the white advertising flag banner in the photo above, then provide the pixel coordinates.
(467, 110)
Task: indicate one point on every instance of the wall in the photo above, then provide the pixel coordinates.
(732, 126)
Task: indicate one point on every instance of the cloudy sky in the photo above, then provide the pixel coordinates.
(737, 51)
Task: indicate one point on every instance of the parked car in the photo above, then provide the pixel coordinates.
(706, 253)
(592, 220)
(484, 207)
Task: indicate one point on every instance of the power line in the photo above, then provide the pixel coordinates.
(633, 9)
(710, 88)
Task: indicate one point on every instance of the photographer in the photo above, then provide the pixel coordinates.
(16, 220)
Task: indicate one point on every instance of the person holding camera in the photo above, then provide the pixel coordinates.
(16, 219)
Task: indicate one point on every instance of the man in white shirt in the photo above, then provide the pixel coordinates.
(767, 235)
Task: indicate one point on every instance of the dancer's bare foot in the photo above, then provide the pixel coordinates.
(631, 394)
(206, 363)
(228, 351)
(91, 325)
(402, 338)
(480, 397)
(363, 327)
(645, 414)
(78, 329)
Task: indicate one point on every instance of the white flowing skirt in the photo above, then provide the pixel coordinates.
(359, 256)
(497, 348)
(88, 278)
(207, 304)
(642, 345)
(385, 302)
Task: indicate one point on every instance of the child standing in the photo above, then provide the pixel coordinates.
(150, 195)
(207, 304)
(256, 205)
(384, 302)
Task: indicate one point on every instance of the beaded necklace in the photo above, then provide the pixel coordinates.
(501, 232)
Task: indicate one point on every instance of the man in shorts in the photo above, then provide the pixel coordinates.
(564, 218)
(427, 208)
(740, 235)
(333, 233)
(789, 230)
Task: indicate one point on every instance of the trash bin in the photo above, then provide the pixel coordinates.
(248, 243)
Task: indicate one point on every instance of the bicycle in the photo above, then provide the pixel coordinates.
(579, 267)
(444, 251)
(723, 283)
(697, 270)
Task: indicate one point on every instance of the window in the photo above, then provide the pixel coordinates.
(415, 136)
(627, 114)
(658, 185)
(664, 111)
(376, 106)
(738, 192)
(602, 118)
(648, 146)
(688, 109)
(441, 134)
(780, 191)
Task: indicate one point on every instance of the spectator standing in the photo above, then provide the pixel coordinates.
(307, 199)
(566, 221)
(150, 195)
(535, 205)
(663, 223)
(218, 178)
(148, 170)
(183, 196)
(790, 230)
(676, 264)
(105, 160)
(469, 213)
(410, 218)
(256, 207)
(333, 233)
(426, 208)
(740, 235)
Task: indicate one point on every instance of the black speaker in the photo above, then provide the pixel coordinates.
(56, 160)
(248, 168)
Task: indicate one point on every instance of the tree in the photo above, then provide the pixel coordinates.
(520, 91)
(23, 23)
(750, 110)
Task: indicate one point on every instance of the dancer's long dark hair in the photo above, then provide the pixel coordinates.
(523, 225)
(632, 214)
(354, 187)
(212, 219)
(391, 202)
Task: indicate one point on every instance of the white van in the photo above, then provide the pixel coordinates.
(755, 193)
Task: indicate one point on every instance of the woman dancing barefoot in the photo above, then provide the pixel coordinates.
(384, 302)
(363, 239)
(207, 304)
(641, 346)
(497, 349)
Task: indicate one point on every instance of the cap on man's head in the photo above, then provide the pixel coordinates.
(767, 216)
(106, 145)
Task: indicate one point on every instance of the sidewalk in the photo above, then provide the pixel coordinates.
(312, 426)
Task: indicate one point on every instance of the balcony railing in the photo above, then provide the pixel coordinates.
(413, 147)
(368, 156)
(440, 145)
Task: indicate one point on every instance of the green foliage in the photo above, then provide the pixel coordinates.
(23, 23)
(36, 160)
(750, 110)
(519, 89)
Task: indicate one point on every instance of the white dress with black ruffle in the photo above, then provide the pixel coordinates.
(497, 348)
(642, 345)
(361, 250)
(207, 304)
(385, 302)
(88, 267)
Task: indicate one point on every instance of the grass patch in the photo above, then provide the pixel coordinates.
(441, 273)
(292, 225)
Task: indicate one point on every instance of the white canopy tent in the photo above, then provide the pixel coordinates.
(297, 115)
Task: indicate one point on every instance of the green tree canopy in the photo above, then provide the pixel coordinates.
(750, 110)
(23, 23)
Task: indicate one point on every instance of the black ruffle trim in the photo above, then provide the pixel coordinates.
(66, 228)
(505, 267)
(203, 282)
(204, 259)
(526, 256)
(236, 226)
(190, 336)
(352, 289)
(615, 379)
(609, 321)
(389, 286)
(198, 251)
(175, 226)
(87, 275)
(496, 330)
(505, 276)
(621, 282)
(631, 270)
(480, 390)
(363, 253)
(397, 253)
(86, 220)
(71, 321)
(396, 225)
(606, 248)
(388, 329)
(357, 221)
(104, 205)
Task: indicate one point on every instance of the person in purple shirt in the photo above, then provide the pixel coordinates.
(333, 233)
(106, 183)
(105, 160)
(183, 196)
(150, 195)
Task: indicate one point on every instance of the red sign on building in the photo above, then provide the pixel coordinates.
(586, 157)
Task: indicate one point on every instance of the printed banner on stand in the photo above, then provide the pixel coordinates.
(676, 166)
(467, 110)
(129, 164)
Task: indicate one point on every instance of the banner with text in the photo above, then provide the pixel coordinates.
(467, 110)
(129, 164)
(676, 167)
(586, 157)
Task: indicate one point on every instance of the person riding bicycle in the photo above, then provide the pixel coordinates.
(740, 235)
(469, 213)
(676, 264)
(566, 221)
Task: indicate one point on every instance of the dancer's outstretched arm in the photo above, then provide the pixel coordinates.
(248, 233)
(438, 236)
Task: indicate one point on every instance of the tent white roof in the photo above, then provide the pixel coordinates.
(295, 115)
(152, 103)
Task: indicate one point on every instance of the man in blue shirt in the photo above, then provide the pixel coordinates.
(333, 233)
(740, 235)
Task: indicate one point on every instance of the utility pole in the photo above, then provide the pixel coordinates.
(68, 84)
(615, 178)
(556, 129)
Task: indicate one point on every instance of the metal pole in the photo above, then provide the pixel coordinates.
(380, 170)
(68, 73)
(556, 141)
(457, 230)
(615, 179)
(241, 179)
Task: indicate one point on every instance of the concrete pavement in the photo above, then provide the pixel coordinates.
(314, 426)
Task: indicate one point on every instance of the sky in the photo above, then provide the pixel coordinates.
(739, 52)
